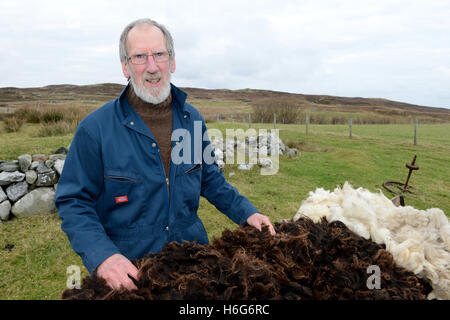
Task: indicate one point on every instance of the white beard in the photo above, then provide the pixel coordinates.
(146, 94)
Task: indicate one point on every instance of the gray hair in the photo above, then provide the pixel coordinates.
(123, 38)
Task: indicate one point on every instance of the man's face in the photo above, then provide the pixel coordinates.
(151, 81)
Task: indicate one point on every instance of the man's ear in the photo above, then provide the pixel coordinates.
(174, 65)
(125, 70)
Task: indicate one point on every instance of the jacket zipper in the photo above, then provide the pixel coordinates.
(164, 174)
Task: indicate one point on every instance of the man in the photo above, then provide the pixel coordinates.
(121, 194)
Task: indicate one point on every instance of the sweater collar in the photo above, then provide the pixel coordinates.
(178, 100)
(142, 106)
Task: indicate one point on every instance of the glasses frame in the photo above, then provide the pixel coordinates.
(156, 58)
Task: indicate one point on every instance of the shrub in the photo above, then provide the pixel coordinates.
(13, 124)
(286, 111)
(29, 114)
(58, 128)
(52, 115)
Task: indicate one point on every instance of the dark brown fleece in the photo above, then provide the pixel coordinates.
(303, 261)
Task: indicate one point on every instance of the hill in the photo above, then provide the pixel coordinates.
(212, 102)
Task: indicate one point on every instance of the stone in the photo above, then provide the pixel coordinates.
(281, 146)
(24, 162)
(58, 166)
(2, 195)
(55, 157)
(17, 190)
(42, 168)
(291, 152)
(61, 150)
(31, 176)
(6, 178)
(39, 157)
(263, 152)
(5, 208)
(47, 179)
(39, 201)
(220, 164)
(247, 166)
(265, 162)
(49, 163)
(218, 154)
(34, 165)
(10, 166)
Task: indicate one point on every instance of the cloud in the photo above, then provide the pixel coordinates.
(390, 49)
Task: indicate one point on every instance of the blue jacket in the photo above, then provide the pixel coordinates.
(113, 195)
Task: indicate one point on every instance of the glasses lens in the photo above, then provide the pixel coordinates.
(160, 56)
(139, 59)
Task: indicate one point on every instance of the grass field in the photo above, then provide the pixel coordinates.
(35, 268)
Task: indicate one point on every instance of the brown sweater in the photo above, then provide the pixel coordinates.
(158, 118)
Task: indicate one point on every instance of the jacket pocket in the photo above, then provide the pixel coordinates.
(119, 196)
(191, 178)
(119, 179)
(196, 167)
(195, 232)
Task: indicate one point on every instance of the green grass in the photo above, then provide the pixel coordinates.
(36, 267)
(329, 158)
(26, 141)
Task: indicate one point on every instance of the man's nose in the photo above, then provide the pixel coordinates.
(152, 67)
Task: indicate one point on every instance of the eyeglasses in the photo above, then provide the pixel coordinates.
(142, 58)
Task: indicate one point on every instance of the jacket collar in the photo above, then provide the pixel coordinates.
(131, 119)
(178, 100)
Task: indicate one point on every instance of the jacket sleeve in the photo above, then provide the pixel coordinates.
(222, 194)
(78, 189)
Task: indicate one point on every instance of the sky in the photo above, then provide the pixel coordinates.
(392, 49)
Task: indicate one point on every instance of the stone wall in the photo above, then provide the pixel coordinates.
(28, 184)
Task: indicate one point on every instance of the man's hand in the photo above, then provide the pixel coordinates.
(115, 271)
(257, 220)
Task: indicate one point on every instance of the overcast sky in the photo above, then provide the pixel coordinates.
(398, 50)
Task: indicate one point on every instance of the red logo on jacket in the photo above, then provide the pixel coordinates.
(121, 199)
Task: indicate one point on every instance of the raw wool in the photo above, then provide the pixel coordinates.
(304, 260)
(419, 240)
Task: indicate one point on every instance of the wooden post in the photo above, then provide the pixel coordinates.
(416, 124)
(350, 127)
(274, 120)
(307, 123)
(249, 120)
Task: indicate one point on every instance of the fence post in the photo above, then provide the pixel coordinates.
(249, 120)
(274, 120)
(350, 127)
(415, 131)
(307, 123)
